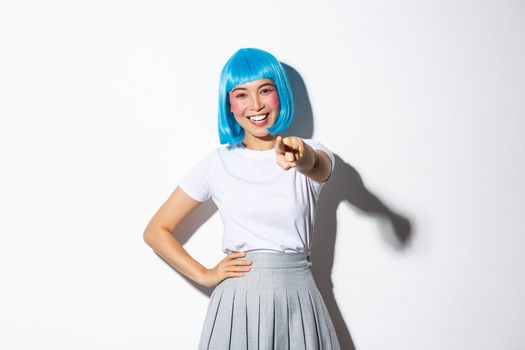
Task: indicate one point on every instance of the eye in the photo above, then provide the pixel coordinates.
(241, 95)
(266, 91)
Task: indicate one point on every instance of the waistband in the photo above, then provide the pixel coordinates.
(267, 260)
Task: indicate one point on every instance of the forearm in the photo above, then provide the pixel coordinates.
(317, 169)
(166, 245)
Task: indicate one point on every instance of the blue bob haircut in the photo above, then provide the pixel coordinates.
(249, 64)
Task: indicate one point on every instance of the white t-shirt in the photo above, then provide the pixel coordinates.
(262, 206)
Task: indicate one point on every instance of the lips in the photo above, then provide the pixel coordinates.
(259, 119)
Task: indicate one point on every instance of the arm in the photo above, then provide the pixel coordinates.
(294, 152)
(321, 169)
(158, 234)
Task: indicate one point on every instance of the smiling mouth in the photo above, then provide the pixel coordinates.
(258, 117)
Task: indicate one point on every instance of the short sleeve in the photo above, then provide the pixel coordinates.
(316, 145)
(196, 183)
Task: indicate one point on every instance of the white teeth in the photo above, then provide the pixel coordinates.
(258, 118)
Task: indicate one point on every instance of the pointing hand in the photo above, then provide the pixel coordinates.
(292, 151)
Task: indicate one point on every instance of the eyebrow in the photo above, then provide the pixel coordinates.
(260, 86)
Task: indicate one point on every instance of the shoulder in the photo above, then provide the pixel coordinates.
(207, 159)
(216, 154)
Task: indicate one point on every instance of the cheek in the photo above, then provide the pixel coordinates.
(236, 107)
(273, 100)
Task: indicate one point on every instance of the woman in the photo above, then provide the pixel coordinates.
(266, 189)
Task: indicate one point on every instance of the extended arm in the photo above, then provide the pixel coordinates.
(322, 168)
(294, 152)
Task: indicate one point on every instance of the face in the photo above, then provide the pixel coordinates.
(255, 106)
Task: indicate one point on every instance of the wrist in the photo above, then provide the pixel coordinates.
(201, 274)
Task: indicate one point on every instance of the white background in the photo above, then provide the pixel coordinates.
(106, 105)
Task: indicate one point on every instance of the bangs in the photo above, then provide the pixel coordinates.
(245, 67)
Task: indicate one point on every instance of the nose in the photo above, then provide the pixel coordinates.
(257, 105)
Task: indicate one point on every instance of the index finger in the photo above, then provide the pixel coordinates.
(236, 254)
(279, 147)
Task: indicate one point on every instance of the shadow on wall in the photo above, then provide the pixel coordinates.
(345, 185)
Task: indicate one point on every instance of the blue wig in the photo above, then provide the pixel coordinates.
(247, 65)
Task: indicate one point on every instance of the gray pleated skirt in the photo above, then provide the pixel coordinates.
(276, 305)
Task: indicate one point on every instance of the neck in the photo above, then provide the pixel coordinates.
(259, 143)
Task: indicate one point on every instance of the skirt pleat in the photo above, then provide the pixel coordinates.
(281, 321)
(239, 322)
(274, 306)
(252, 313)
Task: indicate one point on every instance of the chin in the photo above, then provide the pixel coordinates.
(257, 132)
(261, 133)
